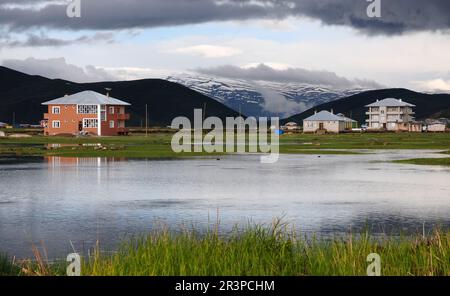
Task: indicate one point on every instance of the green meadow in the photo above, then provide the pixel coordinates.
(157, 145)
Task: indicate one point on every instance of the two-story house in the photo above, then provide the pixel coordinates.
(86, 112)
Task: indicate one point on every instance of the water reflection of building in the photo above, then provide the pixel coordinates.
(56, 161)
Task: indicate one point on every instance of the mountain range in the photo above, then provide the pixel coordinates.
(262, 98)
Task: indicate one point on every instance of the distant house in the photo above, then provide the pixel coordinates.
(349, 123)
(325, 121)
(412, 126)
(2, 124)
(43, 123)
(435, 125)
(290, 126)
(388, 113)
(86, 112)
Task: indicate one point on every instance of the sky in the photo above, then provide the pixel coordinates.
(324, 42)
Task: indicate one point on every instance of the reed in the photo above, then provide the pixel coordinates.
(275, 250)
(259, 250)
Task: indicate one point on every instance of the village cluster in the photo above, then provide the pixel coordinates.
(383, 115)
(92, 113)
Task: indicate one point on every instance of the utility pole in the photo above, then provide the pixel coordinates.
(14, 119)
(146, 120)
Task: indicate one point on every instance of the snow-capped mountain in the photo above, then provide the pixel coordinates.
(261, 98)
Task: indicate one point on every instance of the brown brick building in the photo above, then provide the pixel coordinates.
(86, 112)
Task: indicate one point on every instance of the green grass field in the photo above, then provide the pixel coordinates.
(426, 161)
(157, 145)
(258, 251)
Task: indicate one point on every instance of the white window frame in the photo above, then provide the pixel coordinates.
(111, 110)
(111, 124)
(87, 109)
(54, 108)
(103, 115)
(56, 124)
(90, 122)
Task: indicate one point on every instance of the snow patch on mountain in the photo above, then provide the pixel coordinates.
(262, 98)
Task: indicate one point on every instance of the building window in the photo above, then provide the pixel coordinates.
(111, 124)
(87, 109)
(56, 124)
(103, 113)
(122, 110)
(56, 110)
(111, 110)
(90, 123)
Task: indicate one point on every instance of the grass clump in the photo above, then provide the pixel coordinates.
(7, 266)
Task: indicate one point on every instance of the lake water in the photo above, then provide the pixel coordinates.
(57, 202)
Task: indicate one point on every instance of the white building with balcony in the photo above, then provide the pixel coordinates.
(387, 114)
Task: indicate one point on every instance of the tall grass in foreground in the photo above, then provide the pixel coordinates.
(7, 266)
(274, 250)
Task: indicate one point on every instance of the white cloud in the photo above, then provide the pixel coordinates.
(135, 73)
(277, 103)
(59, 68)
(209, 51)
(283, 73)
(275, 66)
(435, 85)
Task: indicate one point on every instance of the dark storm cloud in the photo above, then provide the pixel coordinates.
(297, 75)
(398, 16)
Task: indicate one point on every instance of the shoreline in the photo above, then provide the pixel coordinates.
(157, 145)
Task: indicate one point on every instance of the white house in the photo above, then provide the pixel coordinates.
(290, 126)
(436, 126)
(324, 121)
(388, 113)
